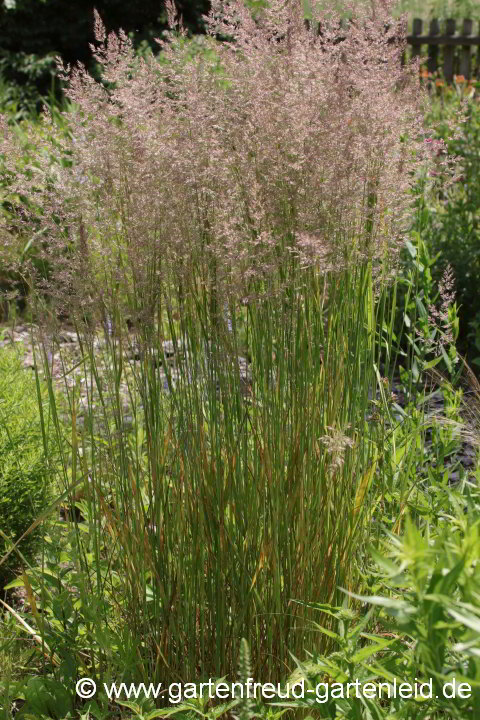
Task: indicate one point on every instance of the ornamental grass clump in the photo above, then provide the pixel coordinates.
(246, 203)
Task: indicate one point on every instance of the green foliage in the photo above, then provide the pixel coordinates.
(24, 484)
(33, 33)
(21, 228)
(474, 339)
(424, 9)
(77, 645)
(45, 698)
(427, 325)
(450, 218)
(424, 356)
(26, 81)
(427, 627)
(441, 9)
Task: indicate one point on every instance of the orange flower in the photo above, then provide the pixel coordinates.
(460, 79)
(439, 83)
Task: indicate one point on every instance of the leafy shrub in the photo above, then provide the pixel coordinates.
(24, 490)
(21, 76)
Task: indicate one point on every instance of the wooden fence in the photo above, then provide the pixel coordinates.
(460, 51)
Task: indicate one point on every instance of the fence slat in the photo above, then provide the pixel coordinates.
(448, 52)
(432, 62)
(466, 62)
(416, 30)
(477, 69)
(465, 59)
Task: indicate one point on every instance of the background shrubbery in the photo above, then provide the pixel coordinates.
(33, 32)
(450, 218)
